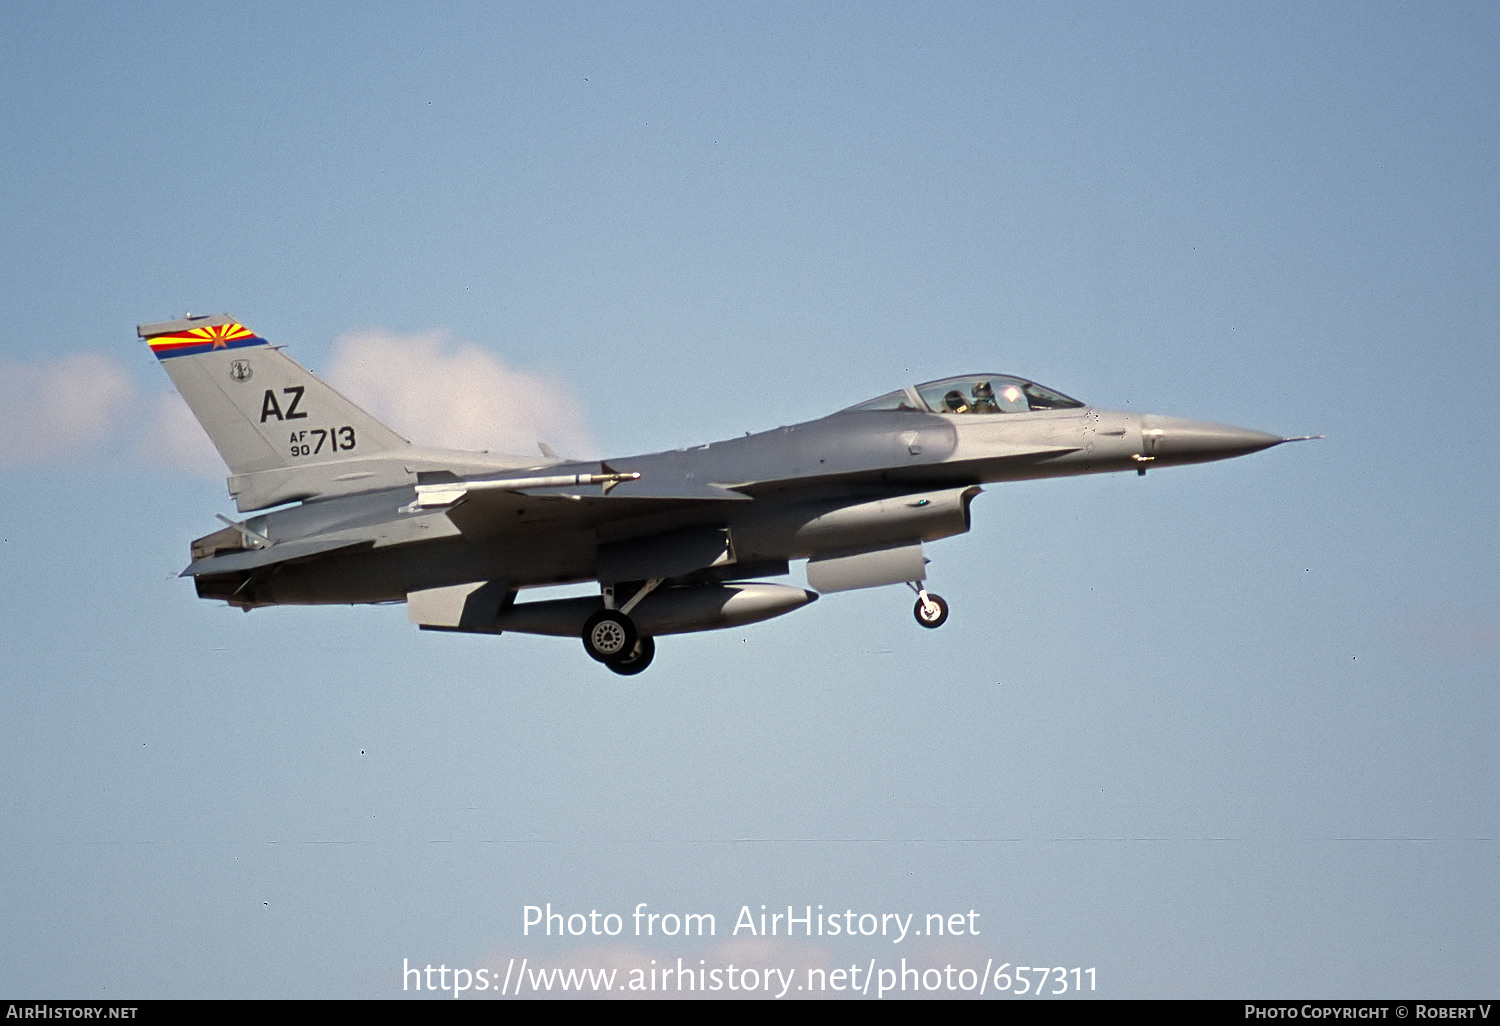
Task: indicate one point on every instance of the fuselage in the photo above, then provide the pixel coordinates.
(858, 479)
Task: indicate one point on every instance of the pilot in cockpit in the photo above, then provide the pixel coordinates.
(954, 402)
(984, 398)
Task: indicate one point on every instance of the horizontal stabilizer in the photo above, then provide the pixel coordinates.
(269, 555)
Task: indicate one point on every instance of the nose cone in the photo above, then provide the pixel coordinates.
(1172, 440)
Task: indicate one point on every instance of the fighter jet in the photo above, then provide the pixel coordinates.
(676, 541)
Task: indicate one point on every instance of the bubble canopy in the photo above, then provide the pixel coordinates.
(974, 393)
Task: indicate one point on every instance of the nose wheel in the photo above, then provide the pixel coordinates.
(931, 610)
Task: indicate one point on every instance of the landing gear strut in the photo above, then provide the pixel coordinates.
(931, 610)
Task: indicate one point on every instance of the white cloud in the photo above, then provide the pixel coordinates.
(438, 392)
(172, 437)
(71, 406)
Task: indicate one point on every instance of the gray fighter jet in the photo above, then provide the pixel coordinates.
(677, 541)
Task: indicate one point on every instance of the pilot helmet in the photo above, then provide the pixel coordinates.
(955, 401)
(982, 390)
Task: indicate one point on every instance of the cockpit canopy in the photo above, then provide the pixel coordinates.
(976, 393)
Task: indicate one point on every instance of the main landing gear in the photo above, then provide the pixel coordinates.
(610, 635)
(639, 658)
(931, 610)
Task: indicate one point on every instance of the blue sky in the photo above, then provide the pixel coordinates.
(1218, 732)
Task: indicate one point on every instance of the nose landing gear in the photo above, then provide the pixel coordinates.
(931, 610)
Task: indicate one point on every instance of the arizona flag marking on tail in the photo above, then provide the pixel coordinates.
(206, 339)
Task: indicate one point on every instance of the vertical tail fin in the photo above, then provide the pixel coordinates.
(262, 410)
